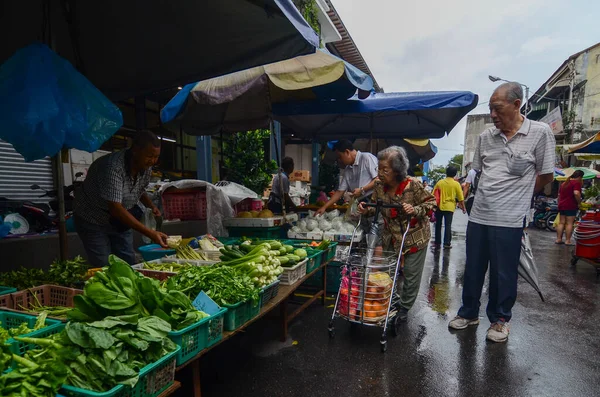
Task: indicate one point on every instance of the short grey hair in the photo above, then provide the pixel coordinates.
(398, 159)
(513, 91)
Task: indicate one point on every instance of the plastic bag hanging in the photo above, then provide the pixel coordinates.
(47, 105)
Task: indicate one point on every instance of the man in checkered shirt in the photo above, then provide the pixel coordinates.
(106, 206)
(516, 158)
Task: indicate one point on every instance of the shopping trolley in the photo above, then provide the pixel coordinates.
(367, 293)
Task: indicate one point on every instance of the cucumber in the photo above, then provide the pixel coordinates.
(293, 257)
(282, 251)
(288, 248)
(283, 260)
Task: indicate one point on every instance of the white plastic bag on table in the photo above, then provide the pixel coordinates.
(302, 225)
(336, 224)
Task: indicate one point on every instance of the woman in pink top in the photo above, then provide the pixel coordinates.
(569, 197)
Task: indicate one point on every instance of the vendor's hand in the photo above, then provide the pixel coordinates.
(159, 238)
(321, 211)
(156, 212)
(356, 193)
(409, 209)
(361, 207)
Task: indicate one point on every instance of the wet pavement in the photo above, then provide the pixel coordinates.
(553, 349)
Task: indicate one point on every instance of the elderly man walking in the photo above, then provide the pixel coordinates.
(516, 159)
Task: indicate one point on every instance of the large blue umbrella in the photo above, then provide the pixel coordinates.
(243, 100)
(390, 115)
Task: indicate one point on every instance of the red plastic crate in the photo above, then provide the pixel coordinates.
(184, 204)
(248, 205)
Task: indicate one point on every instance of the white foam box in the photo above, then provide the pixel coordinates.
(259, 222)
(343, 237)
(305, 235)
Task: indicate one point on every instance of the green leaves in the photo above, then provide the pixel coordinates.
(119, 290)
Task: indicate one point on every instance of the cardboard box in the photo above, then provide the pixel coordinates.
(300, 175)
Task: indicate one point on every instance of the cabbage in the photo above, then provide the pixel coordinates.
(337, 223)
(296, 229)
(301, 253)
(311, 224)
(331, 215)
(347, 228)
(324, 225)
(302, 225)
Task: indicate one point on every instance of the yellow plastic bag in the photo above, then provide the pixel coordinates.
(556, 221)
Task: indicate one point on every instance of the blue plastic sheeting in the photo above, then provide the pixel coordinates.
(417, 115)
(45, 105)
(137, 47)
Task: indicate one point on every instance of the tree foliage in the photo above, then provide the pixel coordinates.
(246, 160)
(436, 174)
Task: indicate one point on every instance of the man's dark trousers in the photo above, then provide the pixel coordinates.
(501, 248)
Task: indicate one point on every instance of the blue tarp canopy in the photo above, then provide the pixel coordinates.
(136, 47)
(416, 115)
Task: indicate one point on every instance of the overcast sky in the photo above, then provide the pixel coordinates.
(454, 45)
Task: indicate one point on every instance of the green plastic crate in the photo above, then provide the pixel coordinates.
(315, 259)
(330, 253)
(273, 232)
(6, 290)
(191, 339)
(334, 277)
(14, 320)
(214, 332)
(240, 313)
(154, 379)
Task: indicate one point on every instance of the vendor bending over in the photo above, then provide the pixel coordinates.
(359, 175)
(277, 196)
(397, 188)
(106, 206)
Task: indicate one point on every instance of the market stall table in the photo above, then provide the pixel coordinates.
(281, 300)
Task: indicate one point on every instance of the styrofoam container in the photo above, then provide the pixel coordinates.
(306, 235)
(343, 237)
(259, 222)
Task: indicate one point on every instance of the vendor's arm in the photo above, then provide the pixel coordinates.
(145, 199)
(334, 199)
(361, 191)
(119, 212)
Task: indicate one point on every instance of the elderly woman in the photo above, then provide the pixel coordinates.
(395, 187)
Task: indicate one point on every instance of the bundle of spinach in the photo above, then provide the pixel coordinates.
(224, 284)
(119, 290)
(69, 273)
(102, 354)
(24, 327)
(28, 377)
(23, 278)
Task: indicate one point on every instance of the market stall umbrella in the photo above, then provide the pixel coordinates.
(589, 146)
(242, 101)
(588, 173)
(416, 115)
(527, 266)
(129, 48)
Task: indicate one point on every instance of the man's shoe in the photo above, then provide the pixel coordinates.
(461, 323)
(498, 332)
(402, 314)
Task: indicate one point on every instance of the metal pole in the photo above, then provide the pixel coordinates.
(60, 188)
(527, 111)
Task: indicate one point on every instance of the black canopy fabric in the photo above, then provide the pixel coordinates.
(134, 47)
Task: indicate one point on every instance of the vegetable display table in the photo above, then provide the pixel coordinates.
(281, 300)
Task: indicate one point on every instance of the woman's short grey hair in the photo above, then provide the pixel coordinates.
(398, 159)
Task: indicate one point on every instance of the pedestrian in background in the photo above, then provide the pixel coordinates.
(569, 198)
(427, 187)
(470, 187)
(450, 192)
(516, 159)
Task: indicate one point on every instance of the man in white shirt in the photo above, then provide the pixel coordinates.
(359, 175)
(470, 188)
